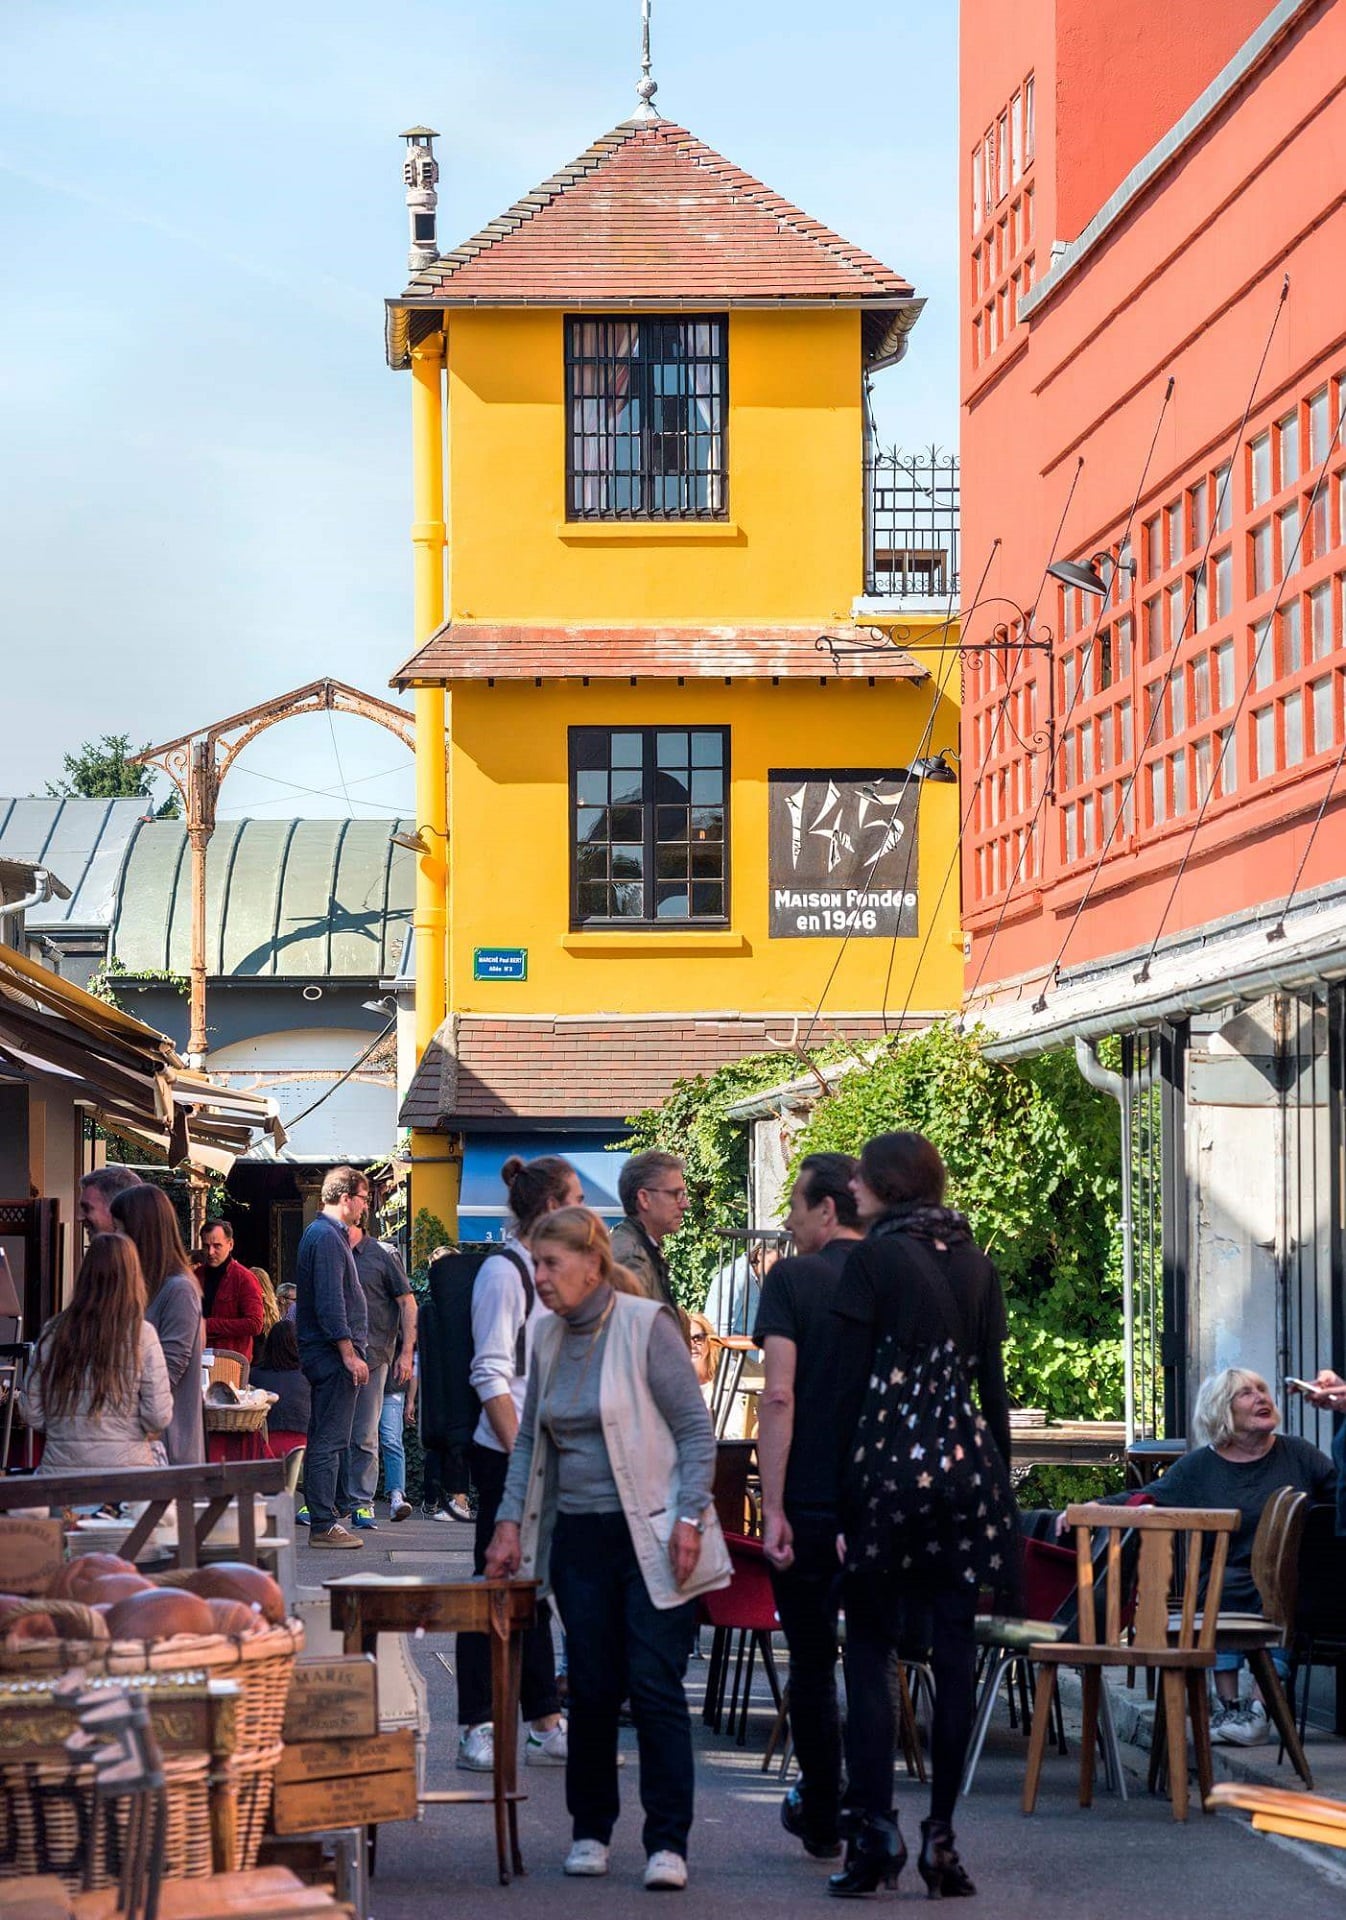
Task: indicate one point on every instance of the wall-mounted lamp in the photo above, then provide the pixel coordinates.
(936, 768)
(413, 842)
(387, 1008)
(1087, 575)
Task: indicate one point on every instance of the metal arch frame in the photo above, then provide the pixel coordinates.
(196, 763)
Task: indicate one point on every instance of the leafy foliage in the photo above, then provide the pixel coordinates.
(1034, 1161)
(103, 982)
(104, 769)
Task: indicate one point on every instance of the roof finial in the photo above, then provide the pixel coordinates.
(646, 87)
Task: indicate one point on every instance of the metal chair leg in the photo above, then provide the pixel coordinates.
(998, 1659)
(1113, 1771)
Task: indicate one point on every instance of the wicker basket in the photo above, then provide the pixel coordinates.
(56, 1825)
(239, 1419)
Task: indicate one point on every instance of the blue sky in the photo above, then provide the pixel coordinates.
(204, 472)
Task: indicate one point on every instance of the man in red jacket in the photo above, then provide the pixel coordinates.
(233, 1298)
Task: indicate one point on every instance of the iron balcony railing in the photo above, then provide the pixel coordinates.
(911, 525)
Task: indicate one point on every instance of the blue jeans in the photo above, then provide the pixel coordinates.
(1231, 1662)
(619, 1642)
(332, 1410)
(362, 1465)
(390, 1440)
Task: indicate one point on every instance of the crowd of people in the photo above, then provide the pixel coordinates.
(883, 1450)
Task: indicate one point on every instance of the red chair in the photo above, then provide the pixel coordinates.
(746, 1607)
(1049, 1575)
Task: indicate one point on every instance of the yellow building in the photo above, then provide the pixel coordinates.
(685, 811)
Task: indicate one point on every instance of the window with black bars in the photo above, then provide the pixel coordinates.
(646, 403)
(649, 809)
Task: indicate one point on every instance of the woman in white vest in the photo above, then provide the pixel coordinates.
(608, 1504)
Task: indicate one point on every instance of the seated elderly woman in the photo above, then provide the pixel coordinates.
(1243, 1461)
(608, 1502)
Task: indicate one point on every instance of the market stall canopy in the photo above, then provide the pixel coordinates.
(131, 1077)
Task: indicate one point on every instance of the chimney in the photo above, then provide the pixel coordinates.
(420, 171)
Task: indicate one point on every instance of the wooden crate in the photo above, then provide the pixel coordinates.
(322, 1784)
(332, 1699)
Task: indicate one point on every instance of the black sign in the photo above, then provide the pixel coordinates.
(841, 852)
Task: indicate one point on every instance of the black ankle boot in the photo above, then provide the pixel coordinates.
(875, 1856)
(943, 1872)
(821, 1845)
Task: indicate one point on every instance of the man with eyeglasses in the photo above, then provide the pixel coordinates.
(653, 1192)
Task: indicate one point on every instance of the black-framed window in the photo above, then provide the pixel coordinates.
(646, 403)
(649, 812)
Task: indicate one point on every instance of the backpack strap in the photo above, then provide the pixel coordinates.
(940, 1292)
(517, 1260)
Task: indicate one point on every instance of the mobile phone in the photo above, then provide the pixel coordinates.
(1307, 1386)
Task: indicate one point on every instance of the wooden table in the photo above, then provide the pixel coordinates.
(733, 1466)
(161, 1487)
(364, 1605)
(1069, 1443)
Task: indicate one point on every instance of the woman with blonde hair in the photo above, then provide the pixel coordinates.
(270, 1304)
(608, 1503)
(1240, 1459)
(98, 1387)
(144, 1213)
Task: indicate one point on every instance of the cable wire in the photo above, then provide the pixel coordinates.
(354, 1067)
(1157, 704)
(1267, 634)
(1049, 783)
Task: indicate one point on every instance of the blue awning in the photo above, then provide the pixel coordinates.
(483, 1206)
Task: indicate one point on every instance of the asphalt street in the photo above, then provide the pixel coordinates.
(1116, 1861)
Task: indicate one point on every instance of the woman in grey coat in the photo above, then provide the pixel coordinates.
(145, 1215)
(98, 1387)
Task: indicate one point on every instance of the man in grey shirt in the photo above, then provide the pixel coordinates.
(391, 1307)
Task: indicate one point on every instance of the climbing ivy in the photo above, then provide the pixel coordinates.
(1033, 1158)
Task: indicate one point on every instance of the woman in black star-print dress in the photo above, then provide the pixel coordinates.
(918, 1297)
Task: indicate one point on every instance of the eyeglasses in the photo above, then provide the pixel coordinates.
(699, 1339)
(674, 1193)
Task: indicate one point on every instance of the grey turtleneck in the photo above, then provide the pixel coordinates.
(568, 1411)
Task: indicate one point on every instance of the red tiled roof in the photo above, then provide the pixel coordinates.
(484, 652)
(482, 1071)
(651, 214)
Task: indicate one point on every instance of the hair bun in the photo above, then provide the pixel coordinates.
(512, 1168)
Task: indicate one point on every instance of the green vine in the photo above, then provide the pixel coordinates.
(102, 982)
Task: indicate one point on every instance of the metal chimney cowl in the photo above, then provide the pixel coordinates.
(420, 172)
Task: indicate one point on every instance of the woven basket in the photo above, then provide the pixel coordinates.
(52, 1823)
(239, 1419)
(251, 1781)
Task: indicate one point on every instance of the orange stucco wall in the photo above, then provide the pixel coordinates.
(1184, 286)
(1125, 73)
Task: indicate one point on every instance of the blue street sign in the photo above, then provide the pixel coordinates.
(500, 963)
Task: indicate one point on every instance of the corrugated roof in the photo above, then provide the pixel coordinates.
(470, 651)
(83, 842)
(297, 899)
(650, 214)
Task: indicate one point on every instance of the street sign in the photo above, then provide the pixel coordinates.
(500, 963)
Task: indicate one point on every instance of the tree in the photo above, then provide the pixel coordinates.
(105, 770)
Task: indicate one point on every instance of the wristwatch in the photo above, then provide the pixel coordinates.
(687, 1520)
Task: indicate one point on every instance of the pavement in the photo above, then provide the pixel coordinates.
(1116, 1861)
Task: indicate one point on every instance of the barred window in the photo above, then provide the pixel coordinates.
(646, 403)
(649, 824)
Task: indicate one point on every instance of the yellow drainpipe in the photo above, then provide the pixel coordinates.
(436, 1161)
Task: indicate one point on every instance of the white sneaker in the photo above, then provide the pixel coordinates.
(1246, 1726)
(665, 1871)
(399, 1507)
(548, 1750)
(476, 1748)
(587, 1859)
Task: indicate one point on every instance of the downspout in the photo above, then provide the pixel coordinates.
(1104, 1080)
(37, 899)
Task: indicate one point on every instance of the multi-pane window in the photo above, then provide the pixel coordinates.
(1004, 222)
(646, 401)
(649, 825)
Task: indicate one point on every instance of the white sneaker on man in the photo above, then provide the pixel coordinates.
(1243, 1726)
(665, 1871)
(476, 1748)
(399, 1507)
(548, 1749)
(587, 1859)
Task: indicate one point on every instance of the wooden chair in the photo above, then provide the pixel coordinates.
(230, 1367)
(1183, 1659)
(1275, 1572)
(1318, 1631)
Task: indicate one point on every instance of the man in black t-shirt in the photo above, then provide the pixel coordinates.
(797, 1332)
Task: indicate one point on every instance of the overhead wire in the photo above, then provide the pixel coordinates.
(342, 1078)
(1267, 634)
(1075, 697)
(336, 755)
(994, 729)
(1158, 701)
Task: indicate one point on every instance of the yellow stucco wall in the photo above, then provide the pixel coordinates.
(791, 550)
(509, 859)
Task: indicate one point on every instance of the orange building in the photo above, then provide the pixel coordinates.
(1154, 370)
